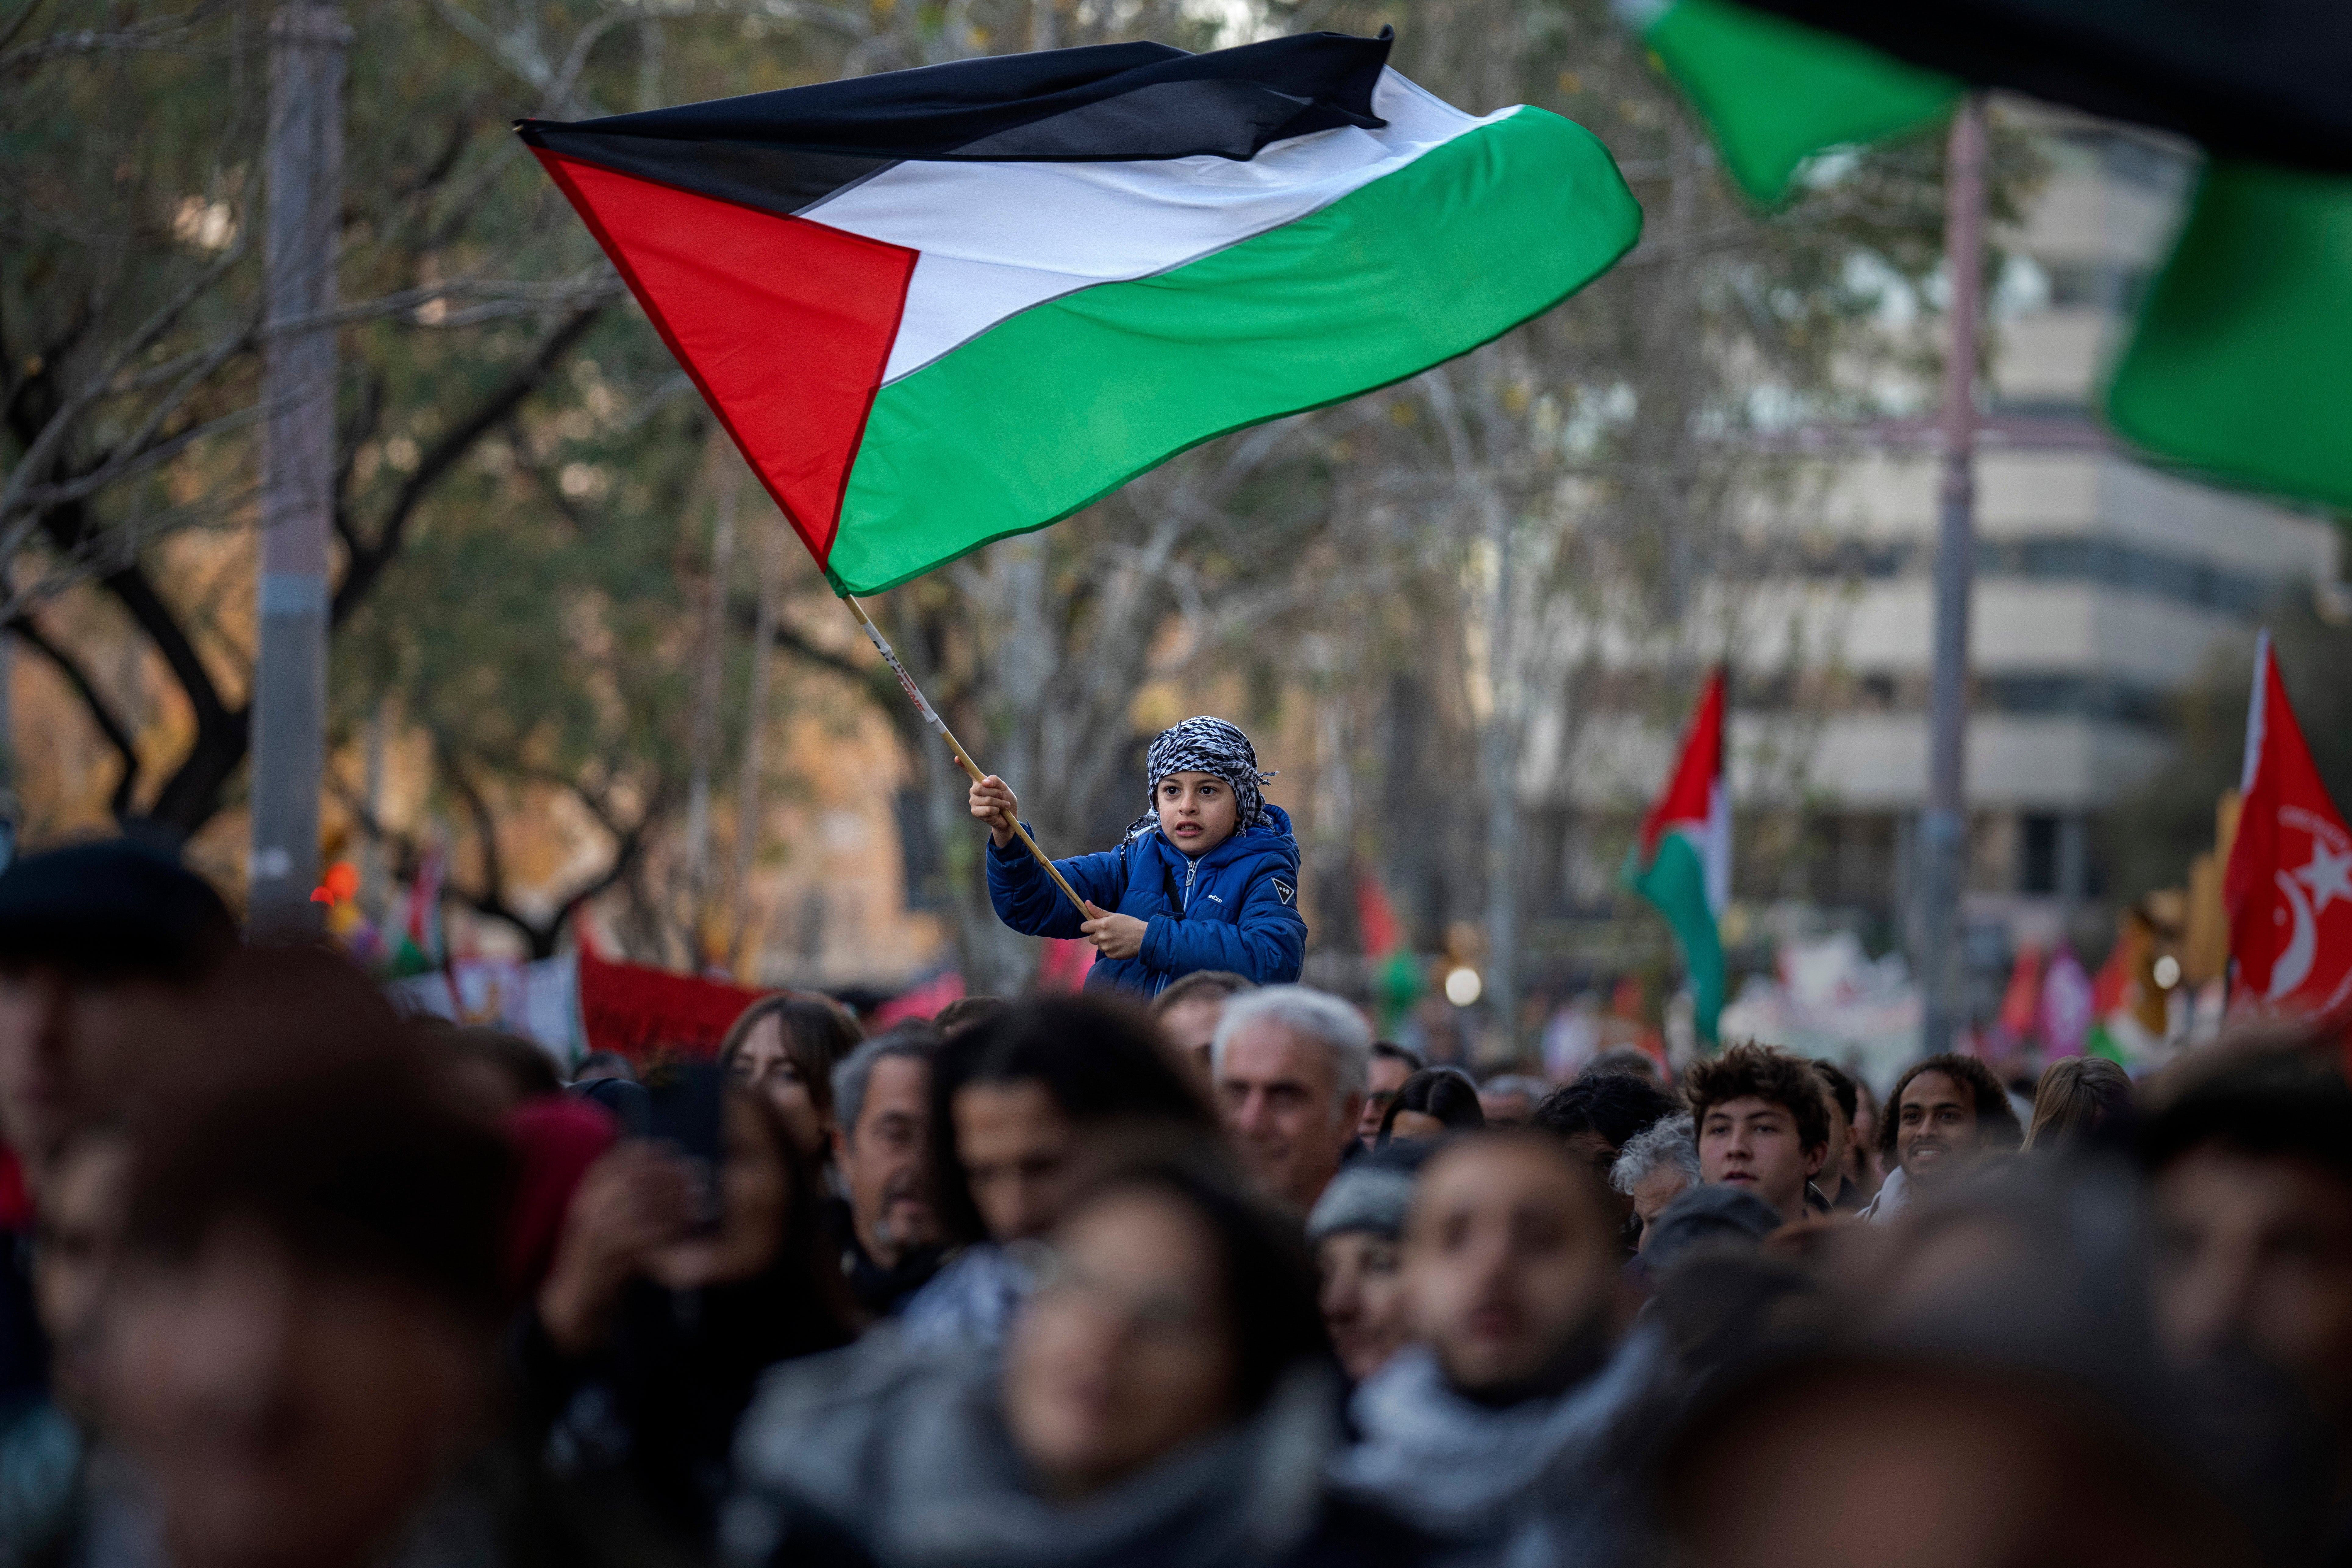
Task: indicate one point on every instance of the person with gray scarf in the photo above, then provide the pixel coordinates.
(1496, 1434)
(1165, 1400)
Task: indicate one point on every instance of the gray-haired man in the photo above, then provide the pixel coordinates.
(885, 1230)
(1291, 1063)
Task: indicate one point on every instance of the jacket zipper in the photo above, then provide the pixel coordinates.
(1190, 868)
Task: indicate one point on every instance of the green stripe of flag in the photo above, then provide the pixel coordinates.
(1054, 408)
(1774, 92)
(2243, 349)
(1675, 882)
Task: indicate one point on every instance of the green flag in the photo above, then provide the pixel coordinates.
(2244, 348)
(1774, 92)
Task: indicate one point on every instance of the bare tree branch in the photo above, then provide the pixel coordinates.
(94, 702)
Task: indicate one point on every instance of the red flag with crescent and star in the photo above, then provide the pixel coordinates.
(2288, 889)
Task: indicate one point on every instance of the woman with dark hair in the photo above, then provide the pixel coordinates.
(1429, 1105)
(673, 1287)
(1164, 1399)
(786, 1046)
(1019, 1105)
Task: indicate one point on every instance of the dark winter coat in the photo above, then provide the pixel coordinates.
(1235, 908)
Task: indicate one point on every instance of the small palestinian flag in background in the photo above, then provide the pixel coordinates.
(1682, 863)
(2236, 365)
(938, 306)
(418, 946)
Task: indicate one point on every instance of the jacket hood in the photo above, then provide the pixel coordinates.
(907, 1452)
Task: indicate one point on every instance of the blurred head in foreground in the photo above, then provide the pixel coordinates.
(298, 1350)
(1510, 1265)
(1855, 1461)
(78, 1232)
(2251, 1164)
(1168, 1306)
(102, 948)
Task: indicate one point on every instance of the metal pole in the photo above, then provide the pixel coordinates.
(297, 455)
(1944, 826)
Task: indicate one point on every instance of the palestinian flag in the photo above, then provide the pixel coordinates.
(938, 306)
(421, 949)
(1683, 864)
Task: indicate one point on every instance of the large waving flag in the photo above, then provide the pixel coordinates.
(937, 306)
(1683, 864)
(2288, 887)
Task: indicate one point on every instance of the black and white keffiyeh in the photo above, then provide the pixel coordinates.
(1205, 745)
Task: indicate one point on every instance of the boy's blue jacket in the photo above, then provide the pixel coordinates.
(1235, 908)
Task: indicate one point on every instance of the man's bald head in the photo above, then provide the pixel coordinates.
(1510, 1261)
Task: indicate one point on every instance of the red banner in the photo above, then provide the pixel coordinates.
(642, 1012)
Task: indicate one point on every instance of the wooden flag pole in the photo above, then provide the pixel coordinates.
(906, 682)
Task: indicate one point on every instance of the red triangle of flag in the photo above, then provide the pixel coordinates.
(1690, 794)
(2288, 887)
(820, 307)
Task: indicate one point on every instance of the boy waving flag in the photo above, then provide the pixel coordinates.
(938, 306)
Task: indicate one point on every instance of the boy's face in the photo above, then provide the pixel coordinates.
(1754, 1144)
(1197, 811)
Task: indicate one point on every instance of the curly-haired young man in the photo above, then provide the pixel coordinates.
(1763, 1119)
(1946, 1115)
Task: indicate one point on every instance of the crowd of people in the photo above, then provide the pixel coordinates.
(297, 1282)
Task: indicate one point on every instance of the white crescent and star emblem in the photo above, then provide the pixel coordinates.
(2329, 877)
(2305, 895)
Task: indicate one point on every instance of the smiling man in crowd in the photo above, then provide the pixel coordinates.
(1947, 1116)
(1763, 1121)
(1291, 1063)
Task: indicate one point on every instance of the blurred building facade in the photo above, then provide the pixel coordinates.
(2103, 588)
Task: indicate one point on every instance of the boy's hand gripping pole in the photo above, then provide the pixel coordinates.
(906, 682)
